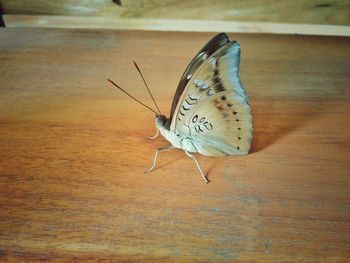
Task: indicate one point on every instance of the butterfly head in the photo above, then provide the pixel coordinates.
(161, 120)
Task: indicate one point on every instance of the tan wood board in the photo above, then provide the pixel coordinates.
(301, 11)
(103, 22)
(73, 151)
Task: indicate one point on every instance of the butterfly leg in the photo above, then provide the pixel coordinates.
(156, 156)
(199, 168)
(155, 136)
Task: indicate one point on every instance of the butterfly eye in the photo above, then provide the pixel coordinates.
(210, 92)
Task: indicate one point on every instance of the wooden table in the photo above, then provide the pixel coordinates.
(73, 151)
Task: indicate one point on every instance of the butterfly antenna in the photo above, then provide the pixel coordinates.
(132, 96)
(144, 81)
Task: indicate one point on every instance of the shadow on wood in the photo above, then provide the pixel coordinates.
(275, 119)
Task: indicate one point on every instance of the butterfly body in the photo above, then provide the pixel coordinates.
(177, 140)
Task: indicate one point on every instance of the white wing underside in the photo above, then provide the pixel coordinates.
(213, 109)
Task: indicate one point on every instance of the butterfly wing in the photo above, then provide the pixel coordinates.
(212, 46)
(220, 125)
(217, 126)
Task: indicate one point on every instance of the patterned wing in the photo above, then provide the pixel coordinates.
(210, 48)
(220, 72)
(219, 125)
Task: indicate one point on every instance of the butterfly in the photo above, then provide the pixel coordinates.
(210, 112)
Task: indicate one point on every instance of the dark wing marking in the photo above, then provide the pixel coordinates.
(184, 108)
(214, 44)
(218, 86)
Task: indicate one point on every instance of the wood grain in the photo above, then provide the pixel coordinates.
(73, 152)
(99, 22)
(301, 11)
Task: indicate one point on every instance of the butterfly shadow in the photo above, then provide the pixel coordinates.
(212, 164)
(274, 119)
(161, 165)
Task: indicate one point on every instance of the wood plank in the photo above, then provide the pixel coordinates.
(34, 21)
(73, 152)
(301, 11)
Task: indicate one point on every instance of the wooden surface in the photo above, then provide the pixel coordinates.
(311, 17)
(334, 12)
(102, 22)
(73, 151)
